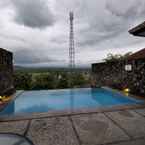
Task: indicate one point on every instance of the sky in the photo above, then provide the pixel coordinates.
(37, 31)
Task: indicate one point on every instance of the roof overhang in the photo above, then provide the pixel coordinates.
(138, 30)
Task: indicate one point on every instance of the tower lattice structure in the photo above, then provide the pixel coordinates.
(71, 43)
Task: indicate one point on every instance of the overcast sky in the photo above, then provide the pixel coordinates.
(37, 31)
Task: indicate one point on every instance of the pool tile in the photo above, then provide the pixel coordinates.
(130, 121)
(97, 129)
(52, 131)
(18, 127)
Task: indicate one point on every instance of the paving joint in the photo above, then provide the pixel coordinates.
(124, 141)
(139, 113)
(75, 131)
(114, 122)
(27, 128)
(18, 135)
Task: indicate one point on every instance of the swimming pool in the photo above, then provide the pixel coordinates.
(47, 100)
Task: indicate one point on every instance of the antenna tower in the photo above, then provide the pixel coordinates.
(71, 43)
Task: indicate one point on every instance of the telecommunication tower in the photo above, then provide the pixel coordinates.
(71, 43)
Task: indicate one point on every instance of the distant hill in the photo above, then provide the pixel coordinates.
(47, 69)
(17, 67)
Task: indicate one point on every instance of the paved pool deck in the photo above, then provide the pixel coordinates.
(116, 127)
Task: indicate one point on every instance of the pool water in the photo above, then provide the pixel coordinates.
(46, 100)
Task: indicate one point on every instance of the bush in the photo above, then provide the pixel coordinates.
(49, 80)
(22, 81)
(43, 81)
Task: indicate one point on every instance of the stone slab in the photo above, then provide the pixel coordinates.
(141, 111)
(136, 142)
(52, 131)
(18, 127)
(12, 139)
(97, 129)
(130, 121)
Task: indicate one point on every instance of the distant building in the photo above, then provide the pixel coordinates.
(6, 72)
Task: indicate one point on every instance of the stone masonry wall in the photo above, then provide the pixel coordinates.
(113, 74)
(6, 72)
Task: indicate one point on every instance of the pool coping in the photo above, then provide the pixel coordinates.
(71, 112)
(30, 116)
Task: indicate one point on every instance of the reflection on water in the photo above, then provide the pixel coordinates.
(37, 108)
(99, 96)
(72, 99)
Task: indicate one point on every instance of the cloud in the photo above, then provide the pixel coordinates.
(8, 37)
(33, 13)
(110, 23)
(129, 9)
(5, 3)
(24, 56)
(100, 27)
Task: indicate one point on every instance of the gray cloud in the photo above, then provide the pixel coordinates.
(16, 38)
(25, 56)
(131, 9)
(100, 27)
(33, 13)
(5, 3)
(112, 24)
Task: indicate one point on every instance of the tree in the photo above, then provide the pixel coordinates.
(116, 57)
(79, 80)
(22, 81)
(43, 81)
(63, 81)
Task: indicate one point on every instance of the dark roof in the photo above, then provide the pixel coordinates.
(107, 62)
(138, 30)
(4, 50)
(137, 55)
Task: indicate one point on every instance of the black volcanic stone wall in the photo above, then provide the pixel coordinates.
(6, 72)
(113, 74)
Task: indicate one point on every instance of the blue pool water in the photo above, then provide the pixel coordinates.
(44, 101)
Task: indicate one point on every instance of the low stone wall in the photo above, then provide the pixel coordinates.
(6, 72)
(113, 74)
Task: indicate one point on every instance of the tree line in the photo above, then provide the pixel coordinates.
(49, 80)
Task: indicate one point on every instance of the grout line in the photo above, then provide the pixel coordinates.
(130, 136)
(75, 131)
(18, 135)
(142, 115)
(27, 128)
(127, 141)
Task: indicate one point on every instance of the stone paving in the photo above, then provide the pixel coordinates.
(13, 139)
(109, 128)
(18, 127)
(132, 123)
